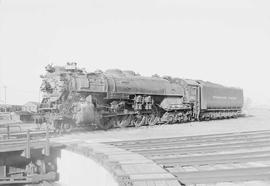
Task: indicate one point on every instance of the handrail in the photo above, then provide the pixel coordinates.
(8, 126)
(28, 139)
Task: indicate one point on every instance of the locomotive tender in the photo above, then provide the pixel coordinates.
(116, 98)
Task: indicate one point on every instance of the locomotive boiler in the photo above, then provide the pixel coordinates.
(115, 98)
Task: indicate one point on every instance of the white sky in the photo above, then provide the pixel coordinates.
(226, 42)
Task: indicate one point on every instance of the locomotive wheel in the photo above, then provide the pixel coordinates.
(113, 122)
(153, 120)
(125, 121)
(155, 116)
(67, 127)
(170, 119)
(57, 126)
(139, 121)
(105, 123)
(146, 121)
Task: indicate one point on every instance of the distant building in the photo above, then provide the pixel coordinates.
(23, 113)
(31, 107)
(10, 108)
(8, 112)
(23, 116)
(28, 111)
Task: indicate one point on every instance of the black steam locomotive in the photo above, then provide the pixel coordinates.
(115, 98)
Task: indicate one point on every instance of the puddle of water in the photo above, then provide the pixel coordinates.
(76, 169)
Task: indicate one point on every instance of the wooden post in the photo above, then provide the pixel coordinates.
(27, 151)
(3, 170)
(8, 131)
(47, 145)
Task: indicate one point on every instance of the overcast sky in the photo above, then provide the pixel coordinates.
(226, 42)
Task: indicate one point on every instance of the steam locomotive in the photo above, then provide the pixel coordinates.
(115, 98)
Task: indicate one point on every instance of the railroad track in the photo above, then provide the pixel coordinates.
(208, 159)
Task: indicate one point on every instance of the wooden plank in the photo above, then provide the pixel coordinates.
(187, 143)
(218, 161)
(173, 183)
(204, 148)
(154, 176)
(212, 180)
(139, 183)
(161, 183)
(189, 138)
(151, 183)
(224, 175)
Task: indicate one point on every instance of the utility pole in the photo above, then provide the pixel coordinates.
(5, 88)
